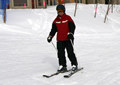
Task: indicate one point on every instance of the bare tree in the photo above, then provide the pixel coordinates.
(45, 3)
(5, 12)
(112, 6)
(107, 11)
(75, 7)
(96, 8)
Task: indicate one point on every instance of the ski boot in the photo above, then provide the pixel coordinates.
(74, 68)
(62, 69)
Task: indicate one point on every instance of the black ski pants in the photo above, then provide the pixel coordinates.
(61, 45)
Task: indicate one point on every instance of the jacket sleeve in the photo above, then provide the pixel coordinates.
(53, 30)
(71, 26)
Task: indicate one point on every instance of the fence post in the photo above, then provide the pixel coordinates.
(75, 7)
(107, 11)
(5, 12)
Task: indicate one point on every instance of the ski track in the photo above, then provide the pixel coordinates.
(26, 55)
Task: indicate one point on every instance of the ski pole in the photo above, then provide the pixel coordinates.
(54, 45)
(73, 48)
(72, 43)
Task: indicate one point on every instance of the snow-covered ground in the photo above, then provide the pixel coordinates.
(25, 54)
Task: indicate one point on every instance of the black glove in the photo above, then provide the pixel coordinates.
(49, 39)
(70, 36)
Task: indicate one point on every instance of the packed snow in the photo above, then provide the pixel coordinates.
(25, 54)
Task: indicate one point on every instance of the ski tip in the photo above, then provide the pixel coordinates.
(46, 76)
(66, 76)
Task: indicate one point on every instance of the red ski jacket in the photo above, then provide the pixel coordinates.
(62, 25)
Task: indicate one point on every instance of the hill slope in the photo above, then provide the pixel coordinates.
(25, 54)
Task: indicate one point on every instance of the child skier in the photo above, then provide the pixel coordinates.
(65, 27)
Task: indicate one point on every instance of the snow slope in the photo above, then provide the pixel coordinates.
(25, 54)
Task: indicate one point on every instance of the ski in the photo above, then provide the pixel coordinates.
(72, 72)
(48, 76)
(53, 74)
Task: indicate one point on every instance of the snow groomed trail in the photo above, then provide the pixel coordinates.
(25, 54)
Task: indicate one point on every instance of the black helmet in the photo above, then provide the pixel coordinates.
(60, 7)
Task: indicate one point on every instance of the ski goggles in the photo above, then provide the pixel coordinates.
(59, 11)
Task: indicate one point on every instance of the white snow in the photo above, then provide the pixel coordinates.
(25, 54)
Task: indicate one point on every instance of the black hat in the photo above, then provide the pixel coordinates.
(60, 7)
